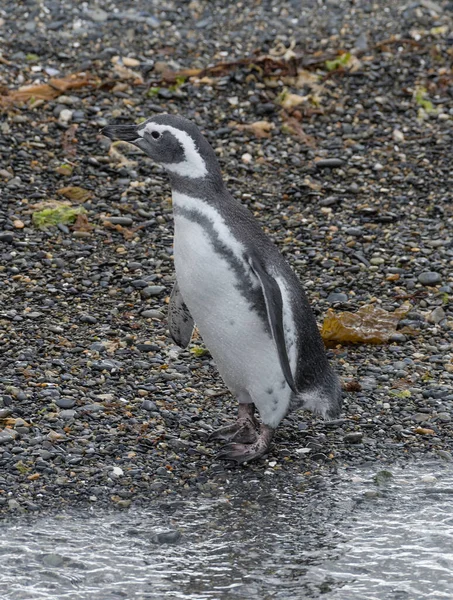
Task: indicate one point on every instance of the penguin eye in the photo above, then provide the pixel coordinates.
(156, 135)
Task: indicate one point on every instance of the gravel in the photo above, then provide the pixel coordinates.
(353, 183)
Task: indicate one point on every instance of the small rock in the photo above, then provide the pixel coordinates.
(152, 290)
(65, 402)
(354, 231)
(67, 414)
(429, 278)
(149, 405)
(436, 316)
(152, 314)
(444, 417)
(329, 163)
(353, 438)
(7, 436)
(120, 220)
(6, 236)
(65, 116)
(88, 319)
(166, 537)
(148, 347)
(398, 135)
(337, 297)
(445, 455)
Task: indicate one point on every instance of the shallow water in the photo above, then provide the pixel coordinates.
(354, 540)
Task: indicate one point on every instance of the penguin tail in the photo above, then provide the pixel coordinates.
(324, 401)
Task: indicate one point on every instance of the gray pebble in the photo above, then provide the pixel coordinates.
(65, 402)
(429, 278)
(152, 314)
(353, 438)
(120, 220)
(88, 319)
(6, 236)
(337, 297)
(326, 163)
(152, 290)
(149, 405)
(166, 537)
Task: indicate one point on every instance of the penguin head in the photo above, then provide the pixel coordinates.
(171, 141)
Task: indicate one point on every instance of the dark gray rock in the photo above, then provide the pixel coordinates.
(429, 278)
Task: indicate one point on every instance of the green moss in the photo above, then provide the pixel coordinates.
(338, 63)
(153, 91)
(53, 216)
(21, 467)
(400, 393)
(199, 351)
(422, 100)
(383, 478)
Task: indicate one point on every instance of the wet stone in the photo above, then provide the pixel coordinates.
(429, 278)
(337, 297)
(153, 314)
(152, 290)
(166, 537)
(125, 221)
(353, 438)
(88, 319)
(149, 405)
(6, 236)
(329, 163)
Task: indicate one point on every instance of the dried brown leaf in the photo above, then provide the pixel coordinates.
(82, 223)
(69, 140)
(369, 325)
(48, 91)
(261, 129)
(74, 193)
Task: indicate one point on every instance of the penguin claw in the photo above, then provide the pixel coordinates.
(242, 431)
(241, 453)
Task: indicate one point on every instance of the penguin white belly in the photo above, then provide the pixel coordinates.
(243, 350)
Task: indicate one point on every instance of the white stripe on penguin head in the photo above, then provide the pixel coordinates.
(193, 166)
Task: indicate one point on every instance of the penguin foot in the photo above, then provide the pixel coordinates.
(242, 453)
(243, 431)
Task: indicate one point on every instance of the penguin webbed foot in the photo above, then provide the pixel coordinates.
(243, 430)
(242, 453)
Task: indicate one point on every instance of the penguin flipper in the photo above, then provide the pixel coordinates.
(274, 307)
(180, 322)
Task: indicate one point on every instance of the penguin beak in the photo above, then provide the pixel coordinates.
(125, 133)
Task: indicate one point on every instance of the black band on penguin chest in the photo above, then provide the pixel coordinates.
(244, 285)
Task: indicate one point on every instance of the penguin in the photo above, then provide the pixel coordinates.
(232, 281)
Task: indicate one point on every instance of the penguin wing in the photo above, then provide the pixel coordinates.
(274, 307)
(180, 322)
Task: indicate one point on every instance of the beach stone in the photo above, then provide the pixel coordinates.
(329, 163)
(167, 537)
(337, 297)
(6, 236)
(125, 221)
(353, 438)
(153, 314)
(152, 290)
(436, 316)
(65, 402)
(429, 278)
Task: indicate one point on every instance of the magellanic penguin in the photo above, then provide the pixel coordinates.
(232, 281)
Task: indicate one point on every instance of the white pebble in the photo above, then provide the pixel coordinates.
(428, 479)
(247, 158)
(65, 116)
(398, 135)
(118, 471)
